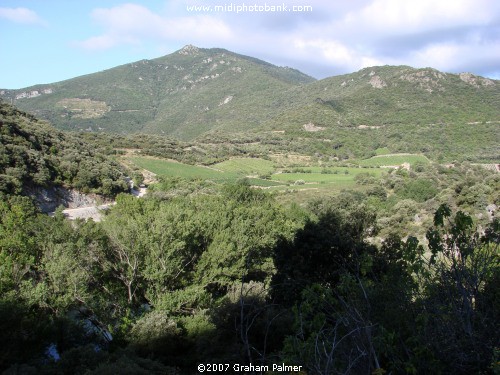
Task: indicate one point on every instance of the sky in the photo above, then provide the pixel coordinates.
(45, 41)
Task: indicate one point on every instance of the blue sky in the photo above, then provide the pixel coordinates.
(48, 41)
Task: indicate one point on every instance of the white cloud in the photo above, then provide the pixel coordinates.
(335, 38)
(446, 35)
(389, 16)
(21, 15)
(334, 53)
(132, 24)
(453, 57)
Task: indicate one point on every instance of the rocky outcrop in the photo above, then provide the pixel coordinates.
(473, 80)
(310, 127)
(48, 199)
(377, 82)
(428, 79)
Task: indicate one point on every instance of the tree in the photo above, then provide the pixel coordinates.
(461, 312)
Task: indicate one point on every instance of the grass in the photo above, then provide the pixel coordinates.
(335, 175)
(264, 183)
(246, 166)
(382, 151)
(393, 159)
(175, 169)
(336, 179)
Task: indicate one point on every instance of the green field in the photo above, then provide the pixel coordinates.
(393, 159)
(336, 176)
(246, 166)
(175, 169)
(318, 178)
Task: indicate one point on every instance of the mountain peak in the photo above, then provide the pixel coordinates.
(189, 49)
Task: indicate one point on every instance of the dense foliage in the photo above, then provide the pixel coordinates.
(169, 281)
(206, 271)
(33, 153)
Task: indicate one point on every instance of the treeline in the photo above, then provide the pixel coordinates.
(33, 153)
(170, 281)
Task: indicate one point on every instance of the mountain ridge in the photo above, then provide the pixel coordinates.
(196, 91)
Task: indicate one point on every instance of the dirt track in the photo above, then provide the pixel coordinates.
(92, 212)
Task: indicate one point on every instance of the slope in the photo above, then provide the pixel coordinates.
(384, 95)
(34, 154)
(184, 94)
(398, 107)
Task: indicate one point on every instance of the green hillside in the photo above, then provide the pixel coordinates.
(217, 98)
(184, 94)
(391, 95)
(34, 154)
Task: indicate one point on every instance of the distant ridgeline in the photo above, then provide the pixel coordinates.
(195, 92)
(34, 154)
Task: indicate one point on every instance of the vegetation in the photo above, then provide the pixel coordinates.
(338, 266)
(249, 107)
(184, 94)
(32, 153)
(170, 281)
(393, 160)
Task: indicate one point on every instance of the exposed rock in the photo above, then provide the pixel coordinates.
(226, 100)
(310, 127)
(377, 82)
(426, 79)
(189, 50)
(475, 81)
(48, 199)
(28, 94)
(369, 126)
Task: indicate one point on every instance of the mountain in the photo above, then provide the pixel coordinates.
(183, 94)
(200, 93)
(391, 95)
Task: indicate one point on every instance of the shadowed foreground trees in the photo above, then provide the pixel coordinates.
(165, 283)
(398, 310)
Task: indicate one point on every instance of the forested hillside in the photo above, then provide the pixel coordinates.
(196, 92)
(34, 154)
(184, 94)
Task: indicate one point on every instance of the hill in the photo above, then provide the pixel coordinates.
(35, 155)
(386, 95)
(183, 94)
(215, 96)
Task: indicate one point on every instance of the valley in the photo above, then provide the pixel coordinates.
(345, 225)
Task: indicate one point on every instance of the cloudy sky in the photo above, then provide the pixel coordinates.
(48, 41)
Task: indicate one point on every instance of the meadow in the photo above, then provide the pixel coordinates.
(228, 171)
(317, 178)
(393, 159)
